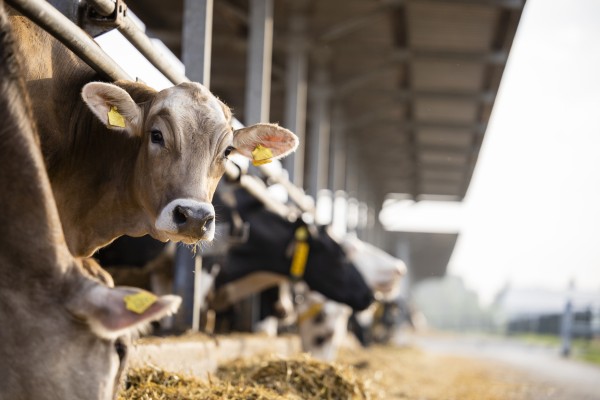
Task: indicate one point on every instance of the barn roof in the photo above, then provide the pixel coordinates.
(413, 81)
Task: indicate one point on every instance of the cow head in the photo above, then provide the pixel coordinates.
(382, 272)
(185, 136)
(68, 336)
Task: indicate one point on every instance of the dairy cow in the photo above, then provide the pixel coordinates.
(63, 335)
(125, 159)
(271, 246)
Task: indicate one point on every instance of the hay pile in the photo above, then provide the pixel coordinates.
(257, 379)
(298, 378)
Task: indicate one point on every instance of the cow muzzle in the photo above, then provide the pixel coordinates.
(187, 220)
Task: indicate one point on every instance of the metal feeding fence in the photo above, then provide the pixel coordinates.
(100, 16)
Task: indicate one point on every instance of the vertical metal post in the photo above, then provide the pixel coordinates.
(352, 166)
(198, 300)
(566, 326)
(320, 126)
(296, 93)
(197, 39)
(256, 109)
(183, 285)
(337, 176)
(258, 78)
(403, 252)
(197, 44)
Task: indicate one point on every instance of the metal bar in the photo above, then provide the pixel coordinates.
(141, 42)
(351, 25)
(198, 300)
(258, 78)
(403, 95)
(320, 131)
(257, 189)
(296, 194)
(184, 287)
(509, 4)
(498, 57)
(197, 39)
(59, 26)
(296, 94)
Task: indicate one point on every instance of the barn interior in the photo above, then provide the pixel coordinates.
(391, 98)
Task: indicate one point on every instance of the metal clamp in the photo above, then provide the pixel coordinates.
(95, 22)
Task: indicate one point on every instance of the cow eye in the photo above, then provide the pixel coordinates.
(157, 137)
(121, 349)
(228, 151)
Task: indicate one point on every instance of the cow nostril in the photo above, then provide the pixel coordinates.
(207, 220)
(179, 215)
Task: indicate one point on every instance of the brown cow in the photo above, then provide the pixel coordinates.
(62, 335)
(152, 169)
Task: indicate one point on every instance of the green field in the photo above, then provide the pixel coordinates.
(581, 349)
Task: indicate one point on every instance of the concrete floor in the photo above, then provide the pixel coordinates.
(562, 379)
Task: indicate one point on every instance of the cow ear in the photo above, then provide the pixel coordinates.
(113, 106)
(278, 140)
(113, 312)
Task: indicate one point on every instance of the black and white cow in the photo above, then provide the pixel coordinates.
(270, 248)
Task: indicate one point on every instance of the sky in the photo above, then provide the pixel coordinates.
(531, 216)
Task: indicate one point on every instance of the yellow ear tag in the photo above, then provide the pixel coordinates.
(139, 302)
(261, 155)
(301, 250)
(115, 118)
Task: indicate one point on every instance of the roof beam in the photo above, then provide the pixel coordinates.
(376, 120)
(510, 4)
(404, 55)
(486, 97)
(497, 57)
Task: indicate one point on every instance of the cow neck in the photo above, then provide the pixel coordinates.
(93, 183)
(32, 249)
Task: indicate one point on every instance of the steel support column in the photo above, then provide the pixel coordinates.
(337, 175)
(258, 78)
(320, 126)
(197, 39)
(296, 93)
(197, 42)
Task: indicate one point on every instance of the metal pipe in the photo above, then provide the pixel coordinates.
(297, 195)
(140, 41)
(59, 26)
(257, 189)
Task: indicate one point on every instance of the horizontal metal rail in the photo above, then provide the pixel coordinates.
(139, 39)
(59, 26)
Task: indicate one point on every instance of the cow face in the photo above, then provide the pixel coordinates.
(382, 272)
(329, 272)
(185, 137)
(322, 325)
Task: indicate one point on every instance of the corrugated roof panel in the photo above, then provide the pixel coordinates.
(454, 27)
(447, 75)
(445, 137)
(445, 110)
(442, 158)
